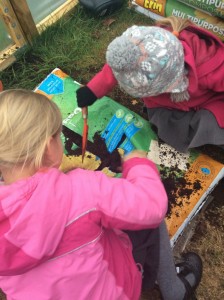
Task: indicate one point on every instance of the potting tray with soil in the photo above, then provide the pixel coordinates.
(115, 130)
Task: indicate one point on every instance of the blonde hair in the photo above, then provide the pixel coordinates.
(28, 120)
(176, 24)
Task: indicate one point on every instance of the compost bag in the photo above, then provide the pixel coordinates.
(114, 131)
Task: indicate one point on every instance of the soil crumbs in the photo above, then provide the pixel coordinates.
(208, 238)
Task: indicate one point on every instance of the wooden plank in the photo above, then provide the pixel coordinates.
(57, 14)
(5, 59)
(25, 19)
(7, 55)
(7, 62)
(12, 23)
(8, 51)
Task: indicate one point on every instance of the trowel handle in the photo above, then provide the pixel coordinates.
(85, 112)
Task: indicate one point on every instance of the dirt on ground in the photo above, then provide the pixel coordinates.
(208, 237)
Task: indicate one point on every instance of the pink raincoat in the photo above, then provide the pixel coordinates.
(61, 238)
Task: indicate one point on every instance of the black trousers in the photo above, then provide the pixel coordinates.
(146, 245)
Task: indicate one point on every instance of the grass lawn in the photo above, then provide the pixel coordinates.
(77, 44)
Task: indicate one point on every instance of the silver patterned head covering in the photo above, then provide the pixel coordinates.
(148, 61)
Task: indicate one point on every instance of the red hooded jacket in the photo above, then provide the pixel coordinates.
(204, 59)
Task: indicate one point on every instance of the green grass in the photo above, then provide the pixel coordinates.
(76, 44)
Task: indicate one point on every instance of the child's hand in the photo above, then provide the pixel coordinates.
(85, 96)
(135, 153)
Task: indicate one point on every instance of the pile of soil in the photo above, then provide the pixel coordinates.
(176, 186)
(212, 151)
(97, 147)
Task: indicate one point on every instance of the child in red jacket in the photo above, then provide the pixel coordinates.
(177, 69)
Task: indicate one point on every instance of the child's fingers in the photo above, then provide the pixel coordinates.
(135, 153)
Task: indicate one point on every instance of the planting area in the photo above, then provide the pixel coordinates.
(77, 45)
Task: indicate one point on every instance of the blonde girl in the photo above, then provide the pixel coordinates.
(30, 125)
(62, 236)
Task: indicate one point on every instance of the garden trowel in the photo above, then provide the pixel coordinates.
(85, 131)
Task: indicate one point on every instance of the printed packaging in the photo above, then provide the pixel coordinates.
(165, 8)
(187, 177)
(213, 7)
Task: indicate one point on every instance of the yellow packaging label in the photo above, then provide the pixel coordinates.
(157, 6)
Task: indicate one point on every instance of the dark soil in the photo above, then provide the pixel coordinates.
(176, 186)
(172, 183)
(97, 147)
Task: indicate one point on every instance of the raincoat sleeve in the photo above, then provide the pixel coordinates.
(136, 201)
(103, 82)
(215, 79)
